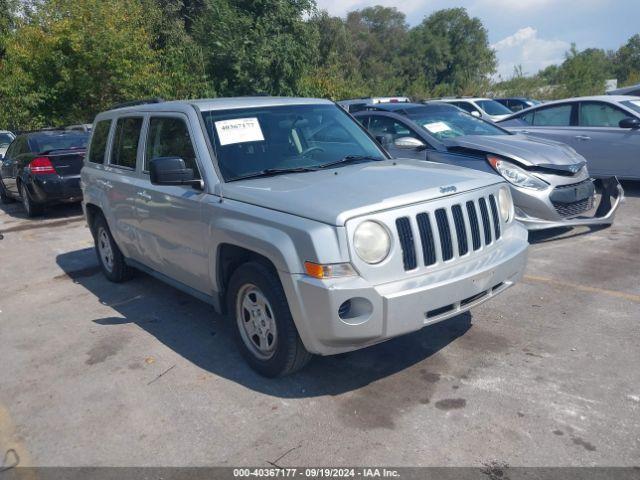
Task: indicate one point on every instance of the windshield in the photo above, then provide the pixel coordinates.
(59, 141)
(5, 139)
(493, 108)
(251, 140)
(448, 122)
(632, 104)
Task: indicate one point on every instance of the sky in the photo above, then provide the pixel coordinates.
(531, 33)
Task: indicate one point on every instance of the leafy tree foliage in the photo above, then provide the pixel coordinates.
(63, 61)
(451, 53)
(73, 59)
(627, 62)
(584, 73)
(256, 46)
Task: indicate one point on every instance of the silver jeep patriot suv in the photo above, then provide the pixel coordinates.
(286, 215)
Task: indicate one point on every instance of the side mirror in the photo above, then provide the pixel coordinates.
(630, 122)
(476, 114)
(409, 143)
(172, 171)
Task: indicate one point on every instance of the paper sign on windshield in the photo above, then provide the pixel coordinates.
(239, 130)
(437, 127)
(636, 102)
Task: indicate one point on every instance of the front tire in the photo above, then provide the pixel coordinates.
(109, 255)
(264, 328)
(31, 208)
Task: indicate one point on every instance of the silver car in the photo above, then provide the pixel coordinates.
(549, 181)
(603, 129)
(285, 214)
(6, 138)
(485, 108)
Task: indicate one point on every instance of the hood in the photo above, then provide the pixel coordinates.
(528, 151)
(334, 195)
(497, 118)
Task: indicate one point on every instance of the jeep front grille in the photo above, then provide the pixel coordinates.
(450, 229)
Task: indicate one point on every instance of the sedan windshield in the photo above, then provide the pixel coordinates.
(448, 122)
(250, 142)
(493, 108)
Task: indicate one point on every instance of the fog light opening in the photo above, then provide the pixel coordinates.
(355, 310)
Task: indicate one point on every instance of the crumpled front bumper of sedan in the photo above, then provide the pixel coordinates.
(611, 196)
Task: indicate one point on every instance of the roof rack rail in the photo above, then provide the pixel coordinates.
(134, 103)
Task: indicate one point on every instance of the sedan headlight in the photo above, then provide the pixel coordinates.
(516, 175)
(372, 242)
(506, 204)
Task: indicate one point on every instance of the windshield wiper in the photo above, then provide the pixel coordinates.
(267, 172)
(351, 159)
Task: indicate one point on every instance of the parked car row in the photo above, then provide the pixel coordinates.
(549, 180)
(316, 231)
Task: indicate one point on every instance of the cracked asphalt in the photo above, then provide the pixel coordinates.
(140, 374)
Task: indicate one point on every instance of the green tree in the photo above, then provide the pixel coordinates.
(256, 46)
(378, 36)
(449, 53)
(627, 61)
(585, 72)
(70, 59)
(8, 12)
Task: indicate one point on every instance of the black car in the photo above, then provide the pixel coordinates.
(515, 104)
(42, 168)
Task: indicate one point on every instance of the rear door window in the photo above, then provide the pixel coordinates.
(99, 141)
(125, 142)
(169, 137)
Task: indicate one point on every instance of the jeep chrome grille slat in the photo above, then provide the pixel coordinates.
(406, 243)
(475, 225)
(445, 234)
(486, 224)
(494, 214)
(461, 230)
(426, 239)
(450, 232)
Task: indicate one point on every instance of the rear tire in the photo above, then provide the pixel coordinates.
(264, 328)
(31, 208)
(110, 257)
(4, 196)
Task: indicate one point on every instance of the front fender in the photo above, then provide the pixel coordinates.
(286, 240)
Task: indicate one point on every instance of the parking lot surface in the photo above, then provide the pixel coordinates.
(140, 374)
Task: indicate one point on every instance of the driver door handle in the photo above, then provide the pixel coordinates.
(583, 137)
(144, 195)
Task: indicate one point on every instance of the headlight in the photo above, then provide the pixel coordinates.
(371, 242)
(506, 204)
(516, 175)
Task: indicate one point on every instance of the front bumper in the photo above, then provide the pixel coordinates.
(612, 195)
(381, 312)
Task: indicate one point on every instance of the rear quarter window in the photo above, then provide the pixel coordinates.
(98, 148)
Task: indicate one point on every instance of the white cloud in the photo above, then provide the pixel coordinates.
(527, 49)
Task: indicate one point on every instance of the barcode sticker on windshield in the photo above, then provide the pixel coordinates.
(239, 130)
(437, 127)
